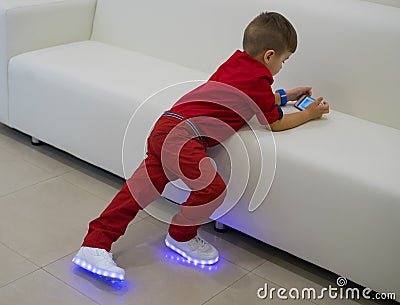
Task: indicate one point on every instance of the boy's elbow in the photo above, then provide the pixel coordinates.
(275, 126)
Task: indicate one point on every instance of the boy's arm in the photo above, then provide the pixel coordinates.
(313, 111)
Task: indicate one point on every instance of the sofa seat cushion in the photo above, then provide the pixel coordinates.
(80, 96)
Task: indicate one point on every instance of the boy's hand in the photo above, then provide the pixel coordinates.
(296, 93)
(317, 109)
(313, 111)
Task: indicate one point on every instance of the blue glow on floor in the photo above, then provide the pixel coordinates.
(114, 283)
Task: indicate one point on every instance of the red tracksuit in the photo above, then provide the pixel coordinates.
(176, 149)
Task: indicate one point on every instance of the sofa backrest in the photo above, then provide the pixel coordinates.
(28, 25)
(348, 49)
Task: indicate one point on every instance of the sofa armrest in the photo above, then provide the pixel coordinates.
(27, 25)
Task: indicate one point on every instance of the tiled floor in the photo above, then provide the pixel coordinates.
(48, 197)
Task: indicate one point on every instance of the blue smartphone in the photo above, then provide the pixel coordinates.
(303, 102)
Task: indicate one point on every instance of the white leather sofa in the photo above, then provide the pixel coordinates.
(74, 72)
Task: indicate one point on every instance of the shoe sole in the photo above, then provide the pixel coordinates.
(95, 270)
(195, 261)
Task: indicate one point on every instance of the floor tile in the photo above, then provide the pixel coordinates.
(93, 185)
(48, 220)
(154, 273)
(97, 182)
(237, 247)
(41, 288)
(44, 156)
(253, 290)
(289, 277)
(318, 278)
(101, 175)
(17, 173)
(13, 265)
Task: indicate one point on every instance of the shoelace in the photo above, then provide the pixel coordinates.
(198, 243)
(107, 256)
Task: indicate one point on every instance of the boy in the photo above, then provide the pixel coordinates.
(176, 147)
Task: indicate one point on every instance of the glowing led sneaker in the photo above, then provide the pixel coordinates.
(196, 250)
(98, 261)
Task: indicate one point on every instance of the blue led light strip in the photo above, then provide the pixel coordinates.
(87, 266)
(190, 259)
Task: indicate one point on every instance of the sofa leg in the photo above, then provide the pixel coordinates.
(220, 227)
(35, 141)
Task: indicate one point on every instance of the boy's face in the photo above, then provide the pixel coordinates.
(273, 61)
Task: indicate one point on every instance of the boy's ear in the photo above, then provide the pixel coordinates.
(267, 55)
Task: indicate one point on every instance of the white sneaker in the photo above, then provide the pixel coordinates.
(196, 250)
(98, 261)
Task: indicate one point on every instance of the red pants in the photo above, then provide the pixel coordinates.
(173, 152)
